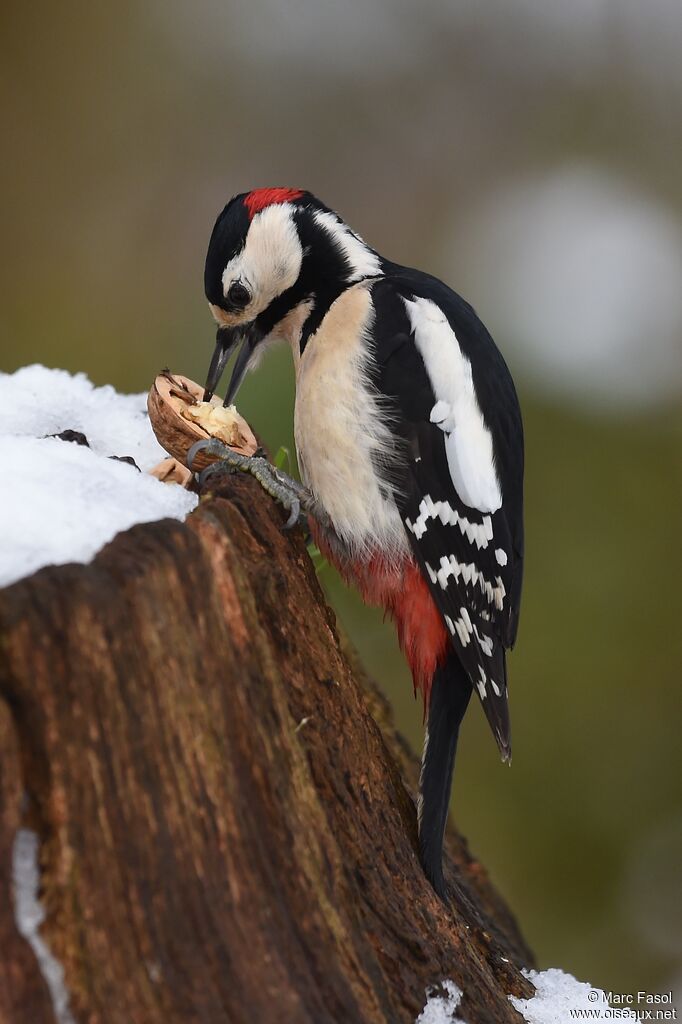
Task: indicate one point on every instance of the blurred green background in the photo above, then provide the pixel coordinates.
(528, 153)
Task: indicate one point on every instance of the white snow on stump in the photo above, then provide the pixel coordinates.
(62, 502)
(558, 999)
(441, 1005)
(29, 914)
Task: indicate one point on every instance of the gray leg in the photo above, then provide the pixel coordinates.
(296, 498)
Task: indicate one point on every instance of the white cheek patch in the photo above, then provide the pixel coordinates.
(468, 442)
(270, 261)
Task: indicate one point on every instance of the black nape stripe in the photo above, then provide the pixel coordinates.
(324, 271)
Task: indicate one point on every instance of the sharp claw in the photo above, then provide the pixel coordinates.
(212, 445)
(294, 515)
(197, 447)
(275, 483)
(192, 454)
(205, 474)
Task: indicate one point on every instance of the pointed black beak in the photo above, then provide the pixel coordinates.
(240, 367)
(226, 341)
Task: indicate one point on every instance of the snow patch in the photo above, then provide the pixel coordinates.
(36, 401)
(29, 914)
(560, 998)
(62, 501)
(440, 1008)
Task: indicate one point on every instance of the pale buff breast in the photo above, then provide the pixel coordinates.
(339, 430)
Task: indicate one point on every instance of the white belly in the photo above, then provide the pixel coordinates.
(340, 436)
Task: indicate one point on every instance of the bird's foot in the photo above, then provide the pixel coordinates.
(295, 498)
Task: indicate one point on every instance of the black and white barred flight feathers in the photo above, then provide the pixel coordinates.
(460, 493)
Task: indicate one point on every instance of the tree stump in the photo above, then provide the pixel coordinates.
(226, 822)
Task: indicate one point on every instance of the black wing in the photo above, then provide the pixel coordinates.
(471, 559)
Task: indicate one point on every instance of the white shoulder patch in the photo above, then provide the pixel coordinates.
(363, 262)
(468, 442)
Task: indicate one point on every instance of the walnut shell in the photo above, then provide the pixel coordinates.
(175, 433)
(170, 471)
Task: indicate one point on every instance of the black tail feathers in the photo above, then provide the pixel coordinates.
(450, 693)
(495, 703)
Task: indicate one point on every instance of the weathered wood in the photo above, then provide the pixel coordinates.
(226, 831)
(24, 998)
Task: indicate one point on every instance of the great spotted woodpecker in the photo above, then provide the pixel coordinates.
(410, 447)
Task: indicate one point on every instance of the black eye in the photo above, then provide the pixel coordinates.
(238, 295)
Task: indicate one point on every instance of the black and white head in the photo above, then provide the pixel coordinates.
(276, 256)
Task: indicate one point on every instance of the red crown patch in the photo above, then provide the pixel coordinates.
(261, 197)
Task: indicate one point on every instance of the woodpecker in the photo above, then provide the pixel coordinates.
(410, 448)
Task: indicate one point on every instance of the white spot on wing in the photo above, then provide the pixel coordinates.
(462, 632)
(468, 445)
(501, 556)
(443, 573)
(471, 576)
(485, 642)
(476, 533)
(440, 412)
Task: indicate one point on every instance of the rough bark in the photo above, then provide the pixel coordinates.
(226, 815)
